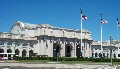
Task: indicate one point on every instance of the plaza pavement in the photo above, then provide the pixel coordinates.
(56, 65)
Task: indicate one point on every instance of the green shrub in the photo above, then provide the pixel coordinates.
(67, 59)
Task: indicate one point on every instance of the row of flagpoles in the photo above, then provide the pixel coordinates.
(103, 21)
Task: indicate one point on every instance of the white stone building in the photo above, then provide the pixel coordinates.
(96, 49)
(27, 39)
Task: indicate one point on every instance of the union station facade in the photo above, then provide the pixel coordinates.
(26, 40)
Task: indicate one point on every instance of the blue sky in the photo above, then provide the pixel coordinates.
(62, 13)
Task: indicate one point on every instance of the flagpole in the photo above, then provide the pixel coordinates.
(101, 33)
(81, 32)
(101, 38)
(117, 35)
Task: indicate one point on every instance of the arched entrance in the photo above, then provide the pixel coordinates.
(24, 53)
(1, 51)
(68, 49)
(16, 52)
(9, 51)
(30, 53)
(56, 49)
(78, 51)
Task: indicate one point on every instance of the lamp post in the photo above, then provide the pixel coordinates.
(78, 49)
(111, 51)
(57, 54)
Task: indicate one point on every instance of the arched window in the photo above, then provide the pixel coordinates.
(1, 50)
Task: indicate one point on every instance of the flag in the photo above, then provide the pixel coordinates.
(118, 23)
(84, 17)
(103, 21)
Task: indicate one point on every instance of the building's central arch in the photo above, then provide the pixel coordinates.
(68, 49)
(17, 52)
(30, 53)
(56, 49)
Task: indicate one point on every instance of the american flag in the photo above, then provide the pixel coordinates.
(118, 24)
(104, 21)
(84, 17)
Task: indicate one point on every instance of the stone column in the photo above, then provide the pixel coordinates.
(38, 31)
(105, 52)
(35, 49)
(50, 48)
(5, 44)
(47, 48)
(109, 53)
(72, 52)
(75, 49)
(116, 53)
(63, 49)
(42, 47)
(13, 47)
(38, 47)
(84, 48)
(28, 46)
(20, 47)
(94, 51)
(90, 50)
